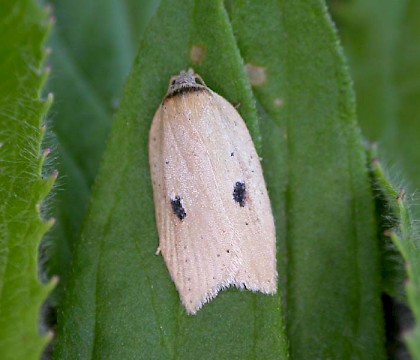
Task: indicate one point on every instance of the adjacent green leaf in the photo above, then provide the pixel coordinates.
(392, 266)
(23, 28)
(404, 234)
(121, 302)
(316, 172)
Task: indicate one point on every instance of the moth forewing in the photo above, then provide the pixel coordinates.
(213, 213)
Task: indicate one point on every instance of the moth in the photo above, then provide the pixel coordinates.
(214, 219)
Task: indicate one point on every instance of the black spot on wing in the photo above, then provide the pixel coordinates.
(177, 208)
(239, 193)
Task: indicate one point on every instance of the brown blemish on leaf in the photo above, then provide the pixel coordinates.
(256, 74)
(197, 53)
(278, 102)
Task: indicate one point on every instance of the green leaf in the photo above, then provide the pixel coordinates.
(404, 234)
(315, 167)
(89, 71)
(121, 302)
(23, 28)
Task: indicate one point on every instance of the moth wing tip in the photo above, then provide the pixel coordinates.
(271, 290)
(191, 310)
(268, 286)
(192, 306)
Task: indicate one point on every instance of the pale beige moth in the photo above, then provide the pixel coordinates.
(213, 214)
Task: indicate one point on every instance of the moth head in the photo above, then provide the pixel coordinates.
(183, 82)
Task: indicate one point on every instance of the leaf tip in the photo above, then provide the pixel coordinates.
(50, 223)
(45, 153)
(54, 175)
(52, 283)
(50, 99)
